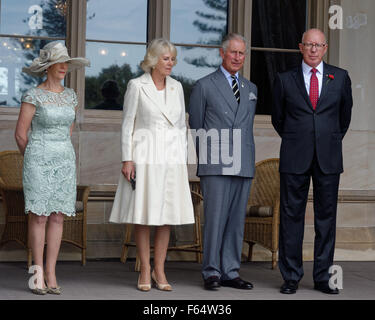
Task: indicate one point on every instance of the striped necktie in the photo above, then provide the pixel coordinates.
(235, 89)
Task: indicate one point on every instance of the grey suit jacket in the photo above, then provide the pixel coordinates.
(222, 127)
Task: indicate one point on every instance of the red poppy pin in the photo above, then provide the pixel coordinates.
(330, 77)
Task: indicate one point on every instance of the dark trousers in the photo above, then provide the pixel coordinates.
(293, 198)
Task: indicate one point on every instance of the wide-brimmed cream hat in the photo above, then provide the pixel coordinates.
(54, 52)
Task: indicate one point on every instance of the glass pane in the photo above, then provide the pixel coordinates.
(112, 66)
(198, 21)
(278, 24)
(14, 55)
(33, 17)
(193, 64)
(118, 20)
(264, 66)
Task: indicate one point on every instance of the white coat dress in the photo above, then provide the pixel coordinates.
(154, 138)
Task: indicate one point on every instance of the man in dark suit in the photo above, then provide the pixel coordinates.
(311, 113)
(221, 110)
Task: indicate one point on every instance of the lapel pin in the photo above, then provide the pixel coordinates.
(242, 85)
(329, 77)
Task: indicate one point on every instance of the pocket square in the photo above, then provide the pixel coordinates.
(252, 96)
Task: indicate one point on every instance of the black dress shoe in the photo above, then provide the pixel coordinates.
(212, 283)
(237, 283)
(289, 287)
(324, 287)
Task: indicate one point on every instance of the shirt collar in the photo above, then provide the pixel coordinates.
(307, 69)
(227, 74)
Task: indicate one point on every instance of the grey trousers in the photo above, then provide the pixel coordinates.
(225, 200)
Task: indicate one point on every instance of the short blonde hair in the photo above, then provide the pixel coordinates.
(156, 48)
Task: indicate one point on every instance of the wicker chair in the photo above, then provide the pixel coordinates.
(263, 210)
(15, 228)
(196, 246)
(16, 221)
(75, 228)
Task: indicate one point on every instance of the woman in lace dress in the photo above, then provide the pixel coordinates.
(49, 171)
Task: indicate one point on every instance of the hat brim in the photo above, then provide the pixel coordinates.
(73, 64)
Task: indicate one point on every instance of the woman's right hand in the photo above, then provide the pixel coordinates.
(128, 170)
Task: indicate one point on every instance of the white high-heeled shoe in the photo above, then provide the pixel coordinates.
(160, 286)
(143, 286)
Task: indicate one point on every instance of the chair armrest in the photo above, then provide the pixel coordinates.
(276, 211)
(196, 195)
(83, 193)
(11, 188)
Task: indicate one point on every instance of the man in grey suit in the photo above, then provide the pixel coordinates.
(221, 113)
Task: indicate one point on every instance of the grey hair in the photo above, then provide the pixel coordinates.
(233, 36)
(156, 48)
(314, 29)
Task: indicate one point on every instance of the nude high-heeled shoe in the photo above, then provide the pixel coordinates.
(39, 291)
(143, 286)
(160, 286)
(51, 290)
(56, 290)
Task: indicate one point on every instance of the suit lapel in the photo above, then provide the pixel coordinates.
(225, 90)
(171, 100)
(298, 77)
(325, 83)
(149, 88)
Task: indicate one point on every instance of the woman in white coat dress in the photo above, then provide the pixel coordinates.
(154, 153)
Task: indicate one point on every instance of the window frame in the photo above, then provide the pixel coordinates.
(317, 17)
(276, 50)
(8, 112)
(158, 25)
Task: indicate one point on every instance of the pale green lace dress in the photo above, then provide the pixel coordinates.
(49, 169)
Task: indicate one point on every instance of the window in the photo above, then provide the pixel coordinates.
(197, 28)
(26, 26)
(277, 28)
(116, 34)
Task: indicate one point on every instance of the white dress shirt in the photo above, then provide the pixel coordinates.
(306, 70)
(229, 76)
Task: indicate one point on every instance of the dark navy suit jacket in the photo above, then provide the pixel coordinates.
(304, 130)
